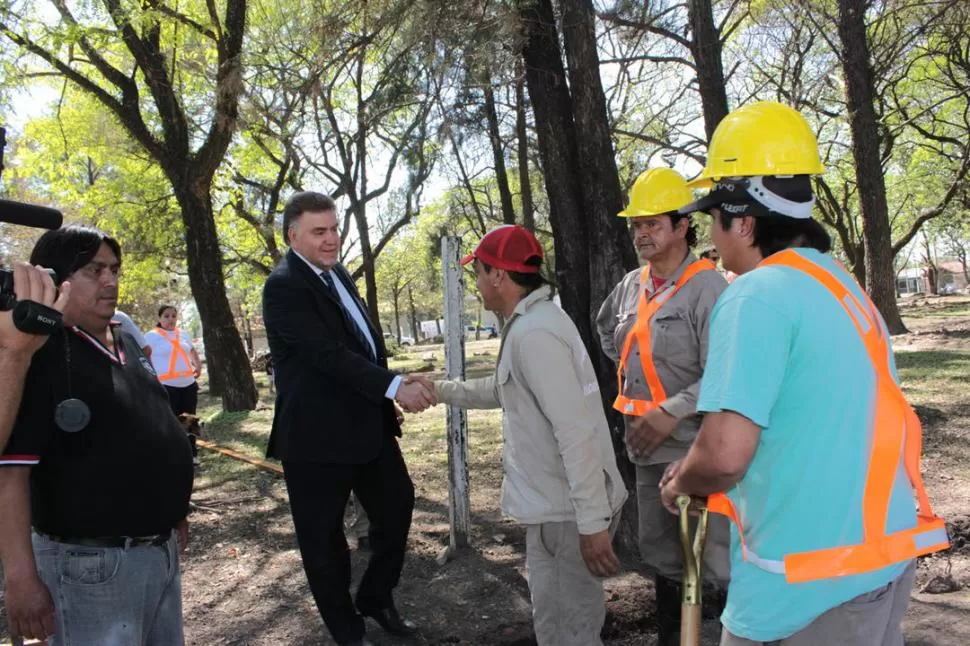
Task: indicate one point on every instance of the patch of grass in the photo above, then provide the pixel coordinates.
(480, 358)
(245, 431)
(950, 307)
(405, 363)
(927, 365)
(423, 442)
(222, 474)
(937, 377)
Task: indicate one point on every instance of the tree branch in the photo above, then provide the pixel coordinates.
(149, 58)
(121, 108)
(650, 59)
(229, 86)
(683, 150)
(185, 20)
(955, 187)
(613, 17)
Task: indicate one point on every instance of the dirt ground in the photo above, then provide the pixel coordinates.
(243, 582)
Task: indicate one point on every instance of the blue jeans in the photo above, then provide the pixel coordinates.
(112, 596)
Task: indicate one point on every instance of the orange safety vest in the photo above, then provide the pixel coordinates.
(177, 352)
(896, 431)
(646, 309)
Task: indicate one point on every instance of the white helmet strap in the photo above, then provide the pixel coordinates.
(778, 204)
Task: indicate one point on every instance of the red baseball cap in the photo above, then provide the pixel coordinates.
(507, 247)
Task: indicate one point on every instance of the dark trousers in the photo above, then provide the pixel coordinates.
(184, 399)
(318, 497)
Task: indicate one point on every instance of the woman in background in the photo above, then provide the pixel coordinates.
(175, 361)
(178, 367)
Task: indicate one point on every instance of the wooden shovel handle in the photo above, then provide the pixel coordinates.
(690, 625)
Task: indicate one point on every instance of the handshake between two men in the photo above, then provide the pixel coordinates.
(416, 394)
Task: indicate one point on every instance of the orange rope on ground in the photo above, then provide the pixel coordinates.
(262, 464)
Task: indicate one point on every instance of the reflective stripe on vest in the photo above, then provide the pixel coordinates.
(177, 352)
(646, 309)
(896, 431)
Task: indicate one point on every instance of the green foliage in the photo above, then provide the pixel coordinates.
(79, 160)
(367, 101)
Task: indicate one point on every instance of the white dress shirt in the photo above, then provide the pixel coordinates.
(350, 304)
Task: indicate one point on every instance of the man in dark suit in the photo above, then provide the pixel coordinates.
(335, 427)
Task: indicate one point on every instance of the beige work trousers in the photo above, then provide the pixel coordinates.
(568, 605)
(659, 537)
(871, 619)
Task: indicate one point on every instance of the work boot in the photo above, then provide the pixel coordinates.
(668, 611)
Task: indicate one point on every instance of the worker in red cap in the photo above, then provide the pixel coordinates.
(561, 479)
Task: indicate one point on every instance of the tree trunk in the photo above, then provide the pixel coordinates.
(247, 333)
(230, 375)
(359, 209)
(498, 156)
(610, 249)
(575, 231)
(190, 172)
(552, 107)
(367, 264)
(396, 294)
(839, 216)
(876, 233)
(706, 51)
(522, 137)
(859, 271)
(414, 316)
(932, 271)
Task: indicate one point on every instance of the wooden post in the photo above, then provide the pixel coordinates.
(457, 418)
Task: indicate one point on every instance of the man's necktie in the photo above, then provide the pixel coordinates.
(358, 332)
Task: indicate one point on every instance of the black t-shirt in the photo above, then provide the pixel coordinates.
(129, 471)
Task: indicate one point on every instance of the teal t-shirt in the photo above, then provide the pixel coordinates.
(784, 353)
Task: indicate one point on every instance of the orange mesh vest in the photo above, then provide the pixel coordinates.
(177, 352)
(646, 309)
(896, 431)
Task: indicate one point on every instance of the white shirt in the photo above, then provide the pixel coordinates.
(129, 326)
(350, 304)
(162, 356)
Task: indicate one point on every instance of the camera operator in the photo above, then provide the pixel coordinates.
(98, 467)
(16, 347)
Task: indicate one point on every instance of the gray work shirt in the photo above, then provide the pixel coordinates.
(679, 344)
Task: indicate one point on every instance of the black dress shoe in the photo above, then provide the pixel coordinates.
(391, 621)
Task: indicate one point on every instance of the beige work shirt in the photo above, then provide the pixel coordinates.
(557, 456)
(679, 345)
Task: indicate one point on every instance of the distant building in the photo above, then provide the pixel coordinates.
(910, 281)
(431, 329)
(916, 280)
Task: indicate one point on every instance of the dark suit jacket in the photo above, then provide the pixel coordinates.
(330, 403)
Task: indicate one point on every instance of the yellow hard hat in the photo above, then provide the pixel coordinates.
(764, 138)
(657, 191)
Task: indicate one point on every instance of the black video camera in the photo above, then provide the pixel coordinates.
(28, 317)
